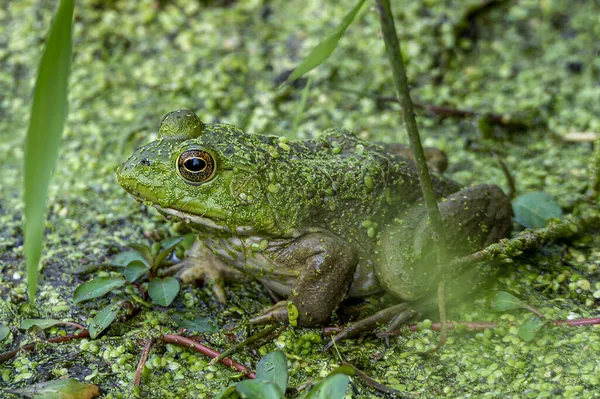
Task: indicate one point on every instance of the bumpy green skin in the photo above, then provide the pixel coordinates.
(305, 217)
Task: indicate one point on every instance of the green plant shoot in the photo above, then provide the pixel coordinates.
(48, 115)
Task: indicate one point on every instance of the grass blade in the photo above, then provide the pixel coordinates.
(48, 114)
(300, 112)
(324, 49)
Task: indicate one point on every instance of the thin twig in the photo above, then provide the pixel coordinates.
(450, 112)
(140, 367)
(578, 322)
(581, 137)
(270, 337)
(374, 384)
(595, 168)
(141, 290)
(81, 334)
(508, 121)
(510, 180)
(533, 310)
(10, 354)
(188, 343)
(234, 348)
(72, 324)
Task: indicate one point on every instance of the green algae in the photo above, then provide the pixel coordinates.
(135, 61)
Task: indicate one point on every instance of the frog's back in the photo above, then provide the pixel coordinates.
(350, 185)
(341, 183)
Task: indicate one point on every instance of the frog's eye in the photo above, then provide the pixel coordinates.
(196, 166)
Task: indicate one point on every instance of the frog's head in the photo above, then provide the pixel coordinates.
(204, 174)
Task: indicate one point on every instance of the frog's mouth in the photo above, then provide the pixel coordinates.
(206, 220)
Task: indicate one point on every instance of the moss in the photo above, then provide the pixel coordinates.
(135, 61)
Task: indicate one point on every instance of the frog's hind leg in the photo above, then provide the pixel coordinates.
(473, 218)
(202, 266)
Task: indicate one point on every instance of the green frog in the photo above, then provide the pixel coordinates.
(316, 220)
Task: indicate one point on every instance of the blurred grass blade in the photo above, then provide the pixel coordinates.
(302, 108)
(324, 49)
(48, 114)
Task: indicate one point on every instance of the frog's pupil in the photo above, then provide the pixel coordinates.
(195, 164)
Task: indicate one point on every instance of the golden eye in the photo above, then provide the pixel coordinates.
(196, 166)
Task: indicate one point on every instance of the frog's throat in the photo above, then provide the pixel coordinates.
(206, 222)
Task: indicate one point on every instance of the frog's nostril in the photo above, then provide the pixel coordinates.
(145, 162)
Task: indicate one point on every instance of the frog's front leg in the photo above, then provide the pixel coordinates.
(202, 266)
(326, 266)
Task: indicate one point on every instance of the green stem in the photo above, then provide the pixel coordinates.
(302, 108)
(253, 338)
(408, 115)
(392, 46)
(526, 240)
(595, 168)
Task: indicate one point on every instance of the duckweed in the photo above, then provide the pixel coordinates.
(135, 61)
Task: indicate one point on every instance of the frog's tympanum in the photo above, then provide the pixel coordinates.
(315, 220)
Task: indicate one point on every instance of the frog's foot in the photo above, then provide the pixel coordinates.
(394, 315)
(202, 266)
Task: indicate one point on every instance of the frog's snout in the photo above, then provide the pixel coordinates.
(129, 170)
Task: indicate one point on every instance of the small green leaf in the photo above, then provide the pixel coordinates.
(324, 49)
(41, 323)
(504, 301)
(166, 246)
(163, 290)
(68, 388)
(273, 368)
(257, 389)
(96, 288)
(534, 209)
(48, 114)
(198, 324)
(188, 240)
(170, 242)
(4, 331)
(332, 387)
(134, 270)
(124, 258)
(529, 328)
(229, 393)
(103, 319)
(143, 250)
(154, 248)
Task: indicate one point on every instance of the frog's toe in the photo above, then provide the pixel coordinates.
(203, 267)
(369, 323)
(198, 274)
(277, 312)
